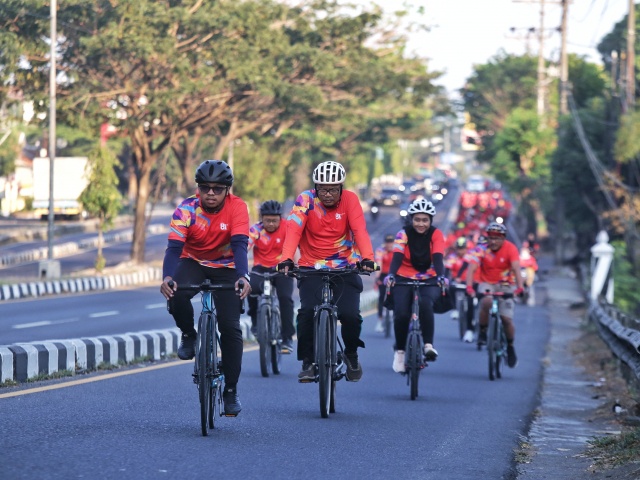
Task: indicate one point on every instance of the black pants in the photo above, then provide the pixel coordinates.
(402, 304)
(454, 292)
(284, 290)
(346, 295)
(227, 305)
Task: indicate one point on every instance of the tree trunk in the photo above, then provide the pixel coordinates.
(139, 226)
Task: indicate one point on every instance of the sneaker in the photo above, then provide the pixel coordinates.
(308, 372)
(482, 337)
(430, 353)
(254, 330)
(468, 336)
(398, 361)
(379, 326)
(455, 315)
(512, 358)
(354, 369)
(231, 402)
(187, 348)
(287, 347)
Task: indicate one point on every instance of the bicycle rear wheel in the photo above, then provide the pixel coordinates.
(275, 341)
(323, 339)
(204, 365)
(462, 315)
(264, 321)
(492, 345)
(215, 381)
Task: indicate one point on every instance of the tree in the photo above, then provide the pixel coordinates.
(101, 197)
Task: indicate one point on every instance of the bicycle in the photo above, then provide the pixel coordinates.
(269, 328)
(414, 361)
(328, 349)
(386, 321)
(207, 371)
(496, 336)
(461, 307)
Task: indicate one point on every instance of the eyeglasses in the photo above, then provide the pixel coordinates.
(270, 220)
(325, 191)
(216, 190)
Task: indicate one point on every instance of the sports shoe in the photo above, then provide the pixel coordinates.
(231, 402)
(287, 347)
(187, 348)
(379, 326)
(398, 361)
(308, 372)
(354, 369)
(468, 336)
(482, 337)
(455, 315)
(254, 330)
(430, 353)
(512, 358)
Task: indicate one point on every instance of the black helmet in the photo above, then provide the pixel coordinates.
(389, 238)
(271, 207)
(461, 242)
(214, 171)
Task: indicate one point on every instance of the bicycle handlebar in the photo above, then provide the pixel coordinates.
(332, 272)
(266, 274)
(207, 286)
(504, 295)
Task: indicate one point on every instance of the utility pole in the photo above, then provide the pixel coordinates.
(564, 67)
(540, 102)
(631, 55)
(52, 124)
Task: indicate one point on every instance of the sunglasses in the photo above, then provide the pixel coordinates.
(325, 191)
(216, 190)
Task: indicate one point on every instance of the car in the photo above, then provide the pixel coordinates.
(390, 196)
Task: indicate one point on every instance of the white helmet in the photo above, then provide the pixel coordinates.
(329, 172)
(421, 205)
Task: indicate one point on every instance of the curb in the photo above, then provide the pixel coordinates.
(22, 361)
(80, 284)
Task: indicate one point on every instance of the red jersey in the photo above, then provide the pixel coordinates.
(406, 268)
(495, 267)
(267, 247)
(207, 236)
(383, 258)
(334, 238)
(454, 263)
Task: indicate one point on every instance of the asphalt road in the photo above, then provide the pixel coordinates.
(145, 423)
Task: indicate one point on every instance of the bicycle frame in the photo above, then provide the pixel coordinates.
(496, 336)
(269, 328)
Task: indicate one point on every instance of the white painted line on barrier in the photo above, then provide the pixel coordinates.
(32, 324)
(104, 314)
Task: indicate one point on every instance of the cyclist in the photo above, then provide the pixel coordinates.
(383, 255)
(455, 266)
(326, 223)
(267, 239)
(499, 266)
(208, 239)
(418, 254)
(529, 267)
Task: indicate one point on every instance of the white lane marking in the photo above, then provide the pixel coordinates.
(156, 305)
(32, 324)
(66, 320)
(104, 314)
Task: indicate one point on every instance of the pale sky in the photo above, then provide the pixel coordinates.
(468, 32)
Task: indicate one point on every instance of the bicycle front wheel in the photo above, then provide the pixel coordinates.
(323, 342)
(264, 336)
(276, 339)
(462, 315)
(204, 368)
(492, 345)
(387, 323)
(501, 342)
(414, 361)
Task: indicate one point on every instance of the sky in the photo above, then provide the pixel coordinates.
(468, 32)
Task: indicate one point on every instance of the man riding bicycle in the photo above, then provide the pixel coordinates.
(499, 266)
(455, 267)
(418, 254)
(327, 223)
(208, 240)
(267, 240)
(383, 256)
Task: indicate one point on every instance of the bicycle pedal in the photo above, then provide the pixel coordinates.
(307, 380)
(230, 415)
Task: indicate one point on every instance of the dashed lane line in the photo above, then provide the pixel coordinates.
(104, 314)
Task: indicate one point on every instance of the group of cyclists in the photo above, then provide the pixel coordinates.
(210, 237)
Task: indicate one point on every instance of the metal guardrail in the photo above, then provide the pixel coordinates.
(619, 331)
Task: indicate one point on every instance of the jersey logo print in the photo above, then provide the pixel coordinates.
(224, 226)
(338, 216)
